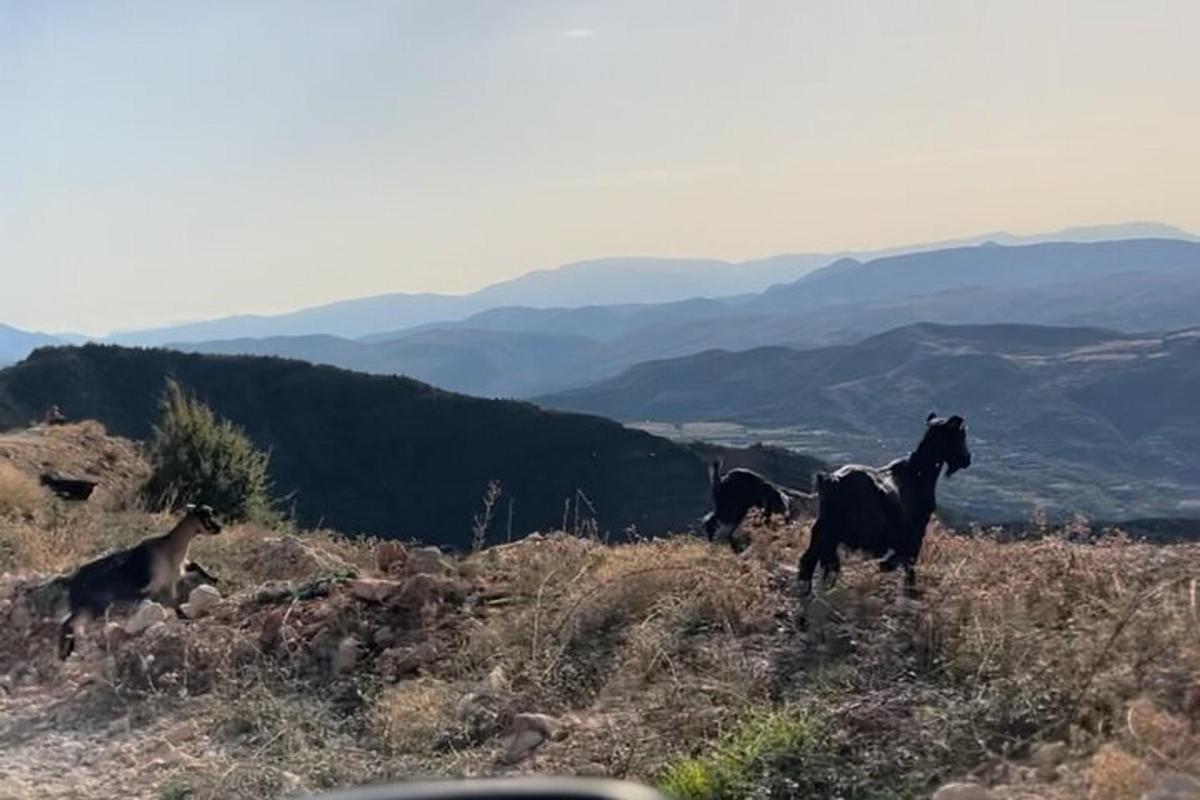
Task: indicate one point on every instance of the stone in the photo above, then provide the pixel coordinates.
(345, 657)
(390, 557)
(114, 635)
(386, 637)
(1047, 758)
(180, 733)
(272, 630)
(425, 589)
(372, 590)
(203, 599)
(402, 662)
(147, 614)
(963, 791)
(529, 732)
(1174, 786)
(289, 558)
(428, 561)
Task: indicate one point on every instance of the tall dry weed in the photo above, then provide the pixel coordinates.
(20, 494)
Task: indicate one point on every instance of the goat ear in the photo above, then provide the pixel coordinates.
(932, 416)
(955, 422)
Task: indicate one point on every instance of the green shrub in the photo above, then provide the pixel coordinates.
(200, 458)
(736, 763)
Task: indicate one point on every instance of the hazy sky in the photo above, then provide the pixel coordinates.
(167, 160)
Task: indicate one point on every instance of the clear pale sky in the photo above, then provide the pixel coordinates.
(162, 160)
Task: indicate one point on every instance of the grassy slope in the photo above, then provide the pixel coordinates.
(670, 662)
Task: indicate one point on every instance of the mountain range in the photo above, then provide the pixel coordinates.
(1065, 419)
(1127, 285)
(598, 282)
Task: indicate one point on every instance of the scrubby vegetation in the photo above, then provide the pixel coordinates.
(199, 458)
(19, 493)
(1046, 668)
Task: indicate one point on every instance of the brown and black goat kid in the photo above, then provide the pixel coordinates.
(150, 569)
(883, 511)
(738, 491)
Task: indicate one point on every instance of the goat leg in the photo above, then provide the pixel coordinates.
(831, 568)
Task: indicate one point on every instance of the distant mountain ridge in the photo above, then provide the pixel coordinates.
(15, 344)
(1128, 285)
(604, 281)
(1069, 419)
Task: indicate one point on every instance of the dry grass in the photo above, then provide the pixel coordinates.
(408, 718)
(679, 661)
(20, 494)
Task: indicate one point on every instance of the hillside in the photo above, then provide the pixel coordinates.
(1055, 668)
(481, 363)
(387, 455)
(1068, 419)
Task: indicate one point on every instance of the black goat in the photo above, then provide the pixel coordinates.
(738, 491)
(151, 568)
(68, 488)
(883, 510)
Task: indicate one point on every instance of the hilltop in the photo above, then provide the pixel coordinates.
(387, 455)
(1055, 668)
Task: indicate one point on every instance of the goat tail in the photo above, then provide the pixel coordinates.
(821, 482)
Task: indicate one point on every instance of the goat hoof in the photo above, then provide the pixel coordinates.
(804, 588)
(829, 581)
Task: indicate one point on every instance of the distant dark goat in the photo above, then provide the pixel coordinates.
(883, 510)
(151, 568)
(68, 488)
(738, 491)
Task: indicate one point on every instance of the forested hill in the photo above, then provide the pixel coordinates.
(384, 455)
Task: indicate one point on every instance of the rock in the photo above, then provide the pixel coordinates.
(372, 590)
(402, 662)
(428, 561)
(289, 558)
(148, 614)
(203, 599)
(180, 733)
(386, 637)
(272, 630)
(424, 589)
(497, 680)
(1047, 758)
(963, 791)
(390, 557)
(345, 657)
(476, 714)
(114, 635)
(528, 733)
(1174, 786)
(1049, 754)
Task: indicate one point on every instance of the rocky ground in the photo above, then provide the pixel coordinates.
(1045, 668)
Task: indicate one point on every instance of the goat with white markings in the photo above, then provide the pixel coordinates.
(150, 569)
(738, 491)
(883, 511)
